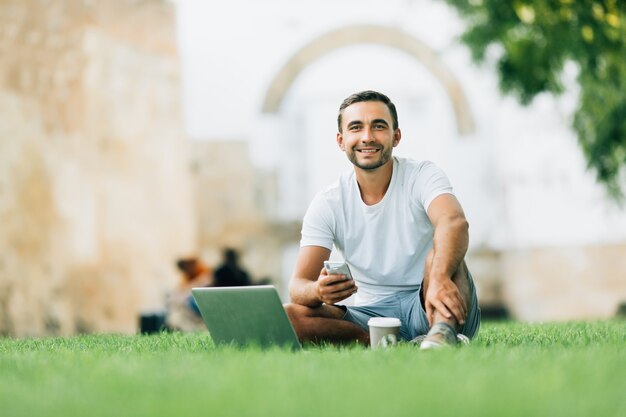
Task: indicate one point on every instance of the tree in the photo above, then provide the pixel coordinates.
(534, 39)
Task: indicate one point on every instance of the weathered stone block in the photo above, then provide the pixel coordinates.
(95, 199)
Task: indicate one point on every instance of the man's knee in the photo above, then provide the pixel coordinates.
(461, 278)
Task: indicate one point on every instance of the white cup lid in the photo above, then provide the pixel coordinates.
(384, 322)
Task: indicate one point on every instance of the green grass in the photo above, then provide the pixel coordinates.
(510, 369)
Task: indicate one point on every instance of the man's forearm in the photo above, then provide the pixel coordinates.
(304, 292)
(450, 243)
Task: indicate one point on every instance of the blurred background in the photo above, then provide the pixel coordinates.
(136, 132)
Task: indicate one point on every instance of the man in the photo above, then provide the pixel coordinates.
(401, 230)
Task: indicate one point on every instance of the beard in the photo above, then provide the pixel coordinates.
(384, 156)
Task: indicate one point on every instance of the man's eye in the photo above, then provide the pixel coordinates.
(354, 128)
(379, 126)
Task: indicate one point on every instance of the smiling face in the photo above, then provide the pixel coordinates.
(367, 135)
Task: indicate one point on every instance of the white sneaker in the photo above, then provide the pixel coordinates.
(440, 335)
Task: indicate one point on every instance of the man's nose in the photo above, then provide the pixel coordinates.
(367, 135)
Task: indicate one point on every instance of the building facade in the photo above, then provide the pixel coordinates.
(545, 239)
(132, 133)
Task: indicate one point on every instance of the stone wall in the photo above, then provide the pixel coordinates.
(566, 283)
(552, 283)
(95, 199)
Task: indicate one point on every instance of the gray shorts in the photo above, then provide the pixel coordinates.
(407, 306)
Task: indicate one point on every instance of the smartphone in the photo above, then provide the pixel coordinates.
(338, 268)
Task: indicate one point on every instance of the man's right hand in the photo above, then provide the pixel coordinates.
(333, 288)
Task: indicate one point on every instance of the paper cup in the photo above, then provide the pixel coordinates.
(384, 332)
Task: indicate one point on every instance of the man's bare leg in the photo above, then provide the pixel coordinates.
(461, 280)
(324, 323)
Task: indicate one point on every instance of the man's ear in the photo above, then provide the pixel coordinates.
(397, 136)
(340, 141)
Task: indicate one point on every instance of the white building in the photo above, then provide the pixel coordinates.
(544, 237)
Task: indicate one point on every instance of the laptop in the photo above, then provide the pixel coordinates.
(246, 316)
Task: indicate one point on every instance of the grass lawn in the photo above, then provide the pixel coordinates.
(510, 369)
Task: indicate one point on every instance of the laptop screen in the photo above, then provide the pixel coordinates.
(245, 316)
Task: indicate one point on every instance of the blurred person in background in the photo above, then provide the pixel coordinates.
(230, 273)
(182, 311)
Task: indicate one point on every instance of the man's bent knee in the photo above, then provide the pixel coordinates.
(461, 280)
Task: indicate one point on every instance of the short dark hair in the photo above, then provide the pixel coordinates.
(231, 255)
(368, 95)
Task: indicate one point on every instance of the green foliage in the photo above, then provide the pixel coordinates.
(510, 369)
(533, 39)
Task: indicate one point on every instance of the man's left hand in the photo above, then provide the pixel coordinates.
(444, 297)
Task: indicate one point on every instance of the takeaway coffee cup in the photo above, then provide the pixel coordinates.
(383, 331)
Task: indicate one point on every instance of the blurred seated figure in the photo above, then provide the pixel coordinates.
(230, 273)
(182, 311)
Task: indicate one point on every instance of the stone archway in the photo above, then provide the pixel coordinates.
(380, 35)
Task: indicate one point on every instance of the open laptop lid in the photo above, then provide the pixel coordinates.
(242, 316)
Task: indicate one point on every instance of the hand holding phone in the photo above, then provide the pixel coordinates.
(331, 290)
(338, 268)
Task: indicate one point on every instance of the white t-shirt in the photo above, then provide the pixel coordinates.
(385, 244)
